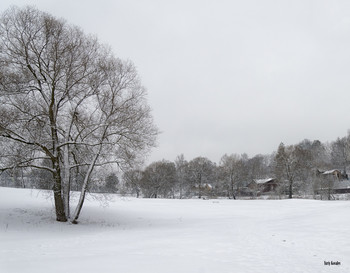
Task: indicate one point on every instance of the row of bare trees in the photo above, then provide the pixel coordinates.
(198, 177)
(293, 166)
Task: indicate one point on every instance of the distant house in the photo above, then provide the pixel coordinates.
(203, 189)
(337, 174)
(205, 186)
(333, 181)
(263, 185)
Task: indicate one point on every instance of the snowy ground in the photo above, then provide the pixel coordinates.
(149, 235)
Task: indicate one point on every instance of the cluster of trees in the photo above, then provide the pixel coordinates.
(293, 166)
(34, 178)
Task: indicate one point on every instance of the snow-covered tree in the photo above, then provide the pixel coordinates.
(158, 179)
(132, 181)
(232, 173)
(182, 184)
(340, 152)
(201, 175)
(65, 98)
(292, 164)
(111, 183)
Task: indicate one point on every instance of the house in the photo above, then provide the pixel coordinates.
(205, 186)
(202, 189)
(337, 174)
(263, 185)
(333, 181)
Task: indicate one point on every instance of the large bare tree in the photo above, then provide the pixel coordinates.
(158, 179)
(292, 164)
(65, 98)
(231, 173)
(201, 174)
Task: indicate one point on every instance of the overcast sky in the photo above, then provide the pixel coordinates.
(228, 76)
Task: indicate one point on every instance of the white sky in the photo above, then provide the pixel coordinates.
(228, 76)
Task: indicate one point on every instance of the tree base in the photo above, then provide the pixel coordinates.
(61, 219)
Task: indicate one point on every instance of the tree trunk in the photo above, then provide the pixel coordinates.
(60, 215)
(84, 189)
(59, 205)
(232, 189)
(66, 193)
(290, 190)
(66, 180)
(199, 185)
(329, 190)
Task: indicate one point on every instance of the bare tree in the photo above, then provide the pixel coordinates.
(258, 167)
(110, 184)
(181, 178)
(201, 174)
(232, 173)
(319, 154)
(292, 163)
(340, 152)
(132, 181)
(158, 179)
(67, 99)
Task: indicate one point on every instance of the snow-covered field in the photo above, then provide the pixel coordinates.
(155, 235)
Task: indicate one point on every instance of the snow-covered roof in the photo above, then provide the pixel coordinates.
(330, 171)
(205, 185)
(263, 181)
(209, 186)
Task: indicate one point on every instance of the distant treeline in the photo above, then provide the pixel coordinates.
(293, 170)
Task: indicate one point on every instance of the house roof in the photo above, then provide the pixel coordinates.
(331, 171)
(263, 181)
(205, 185)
